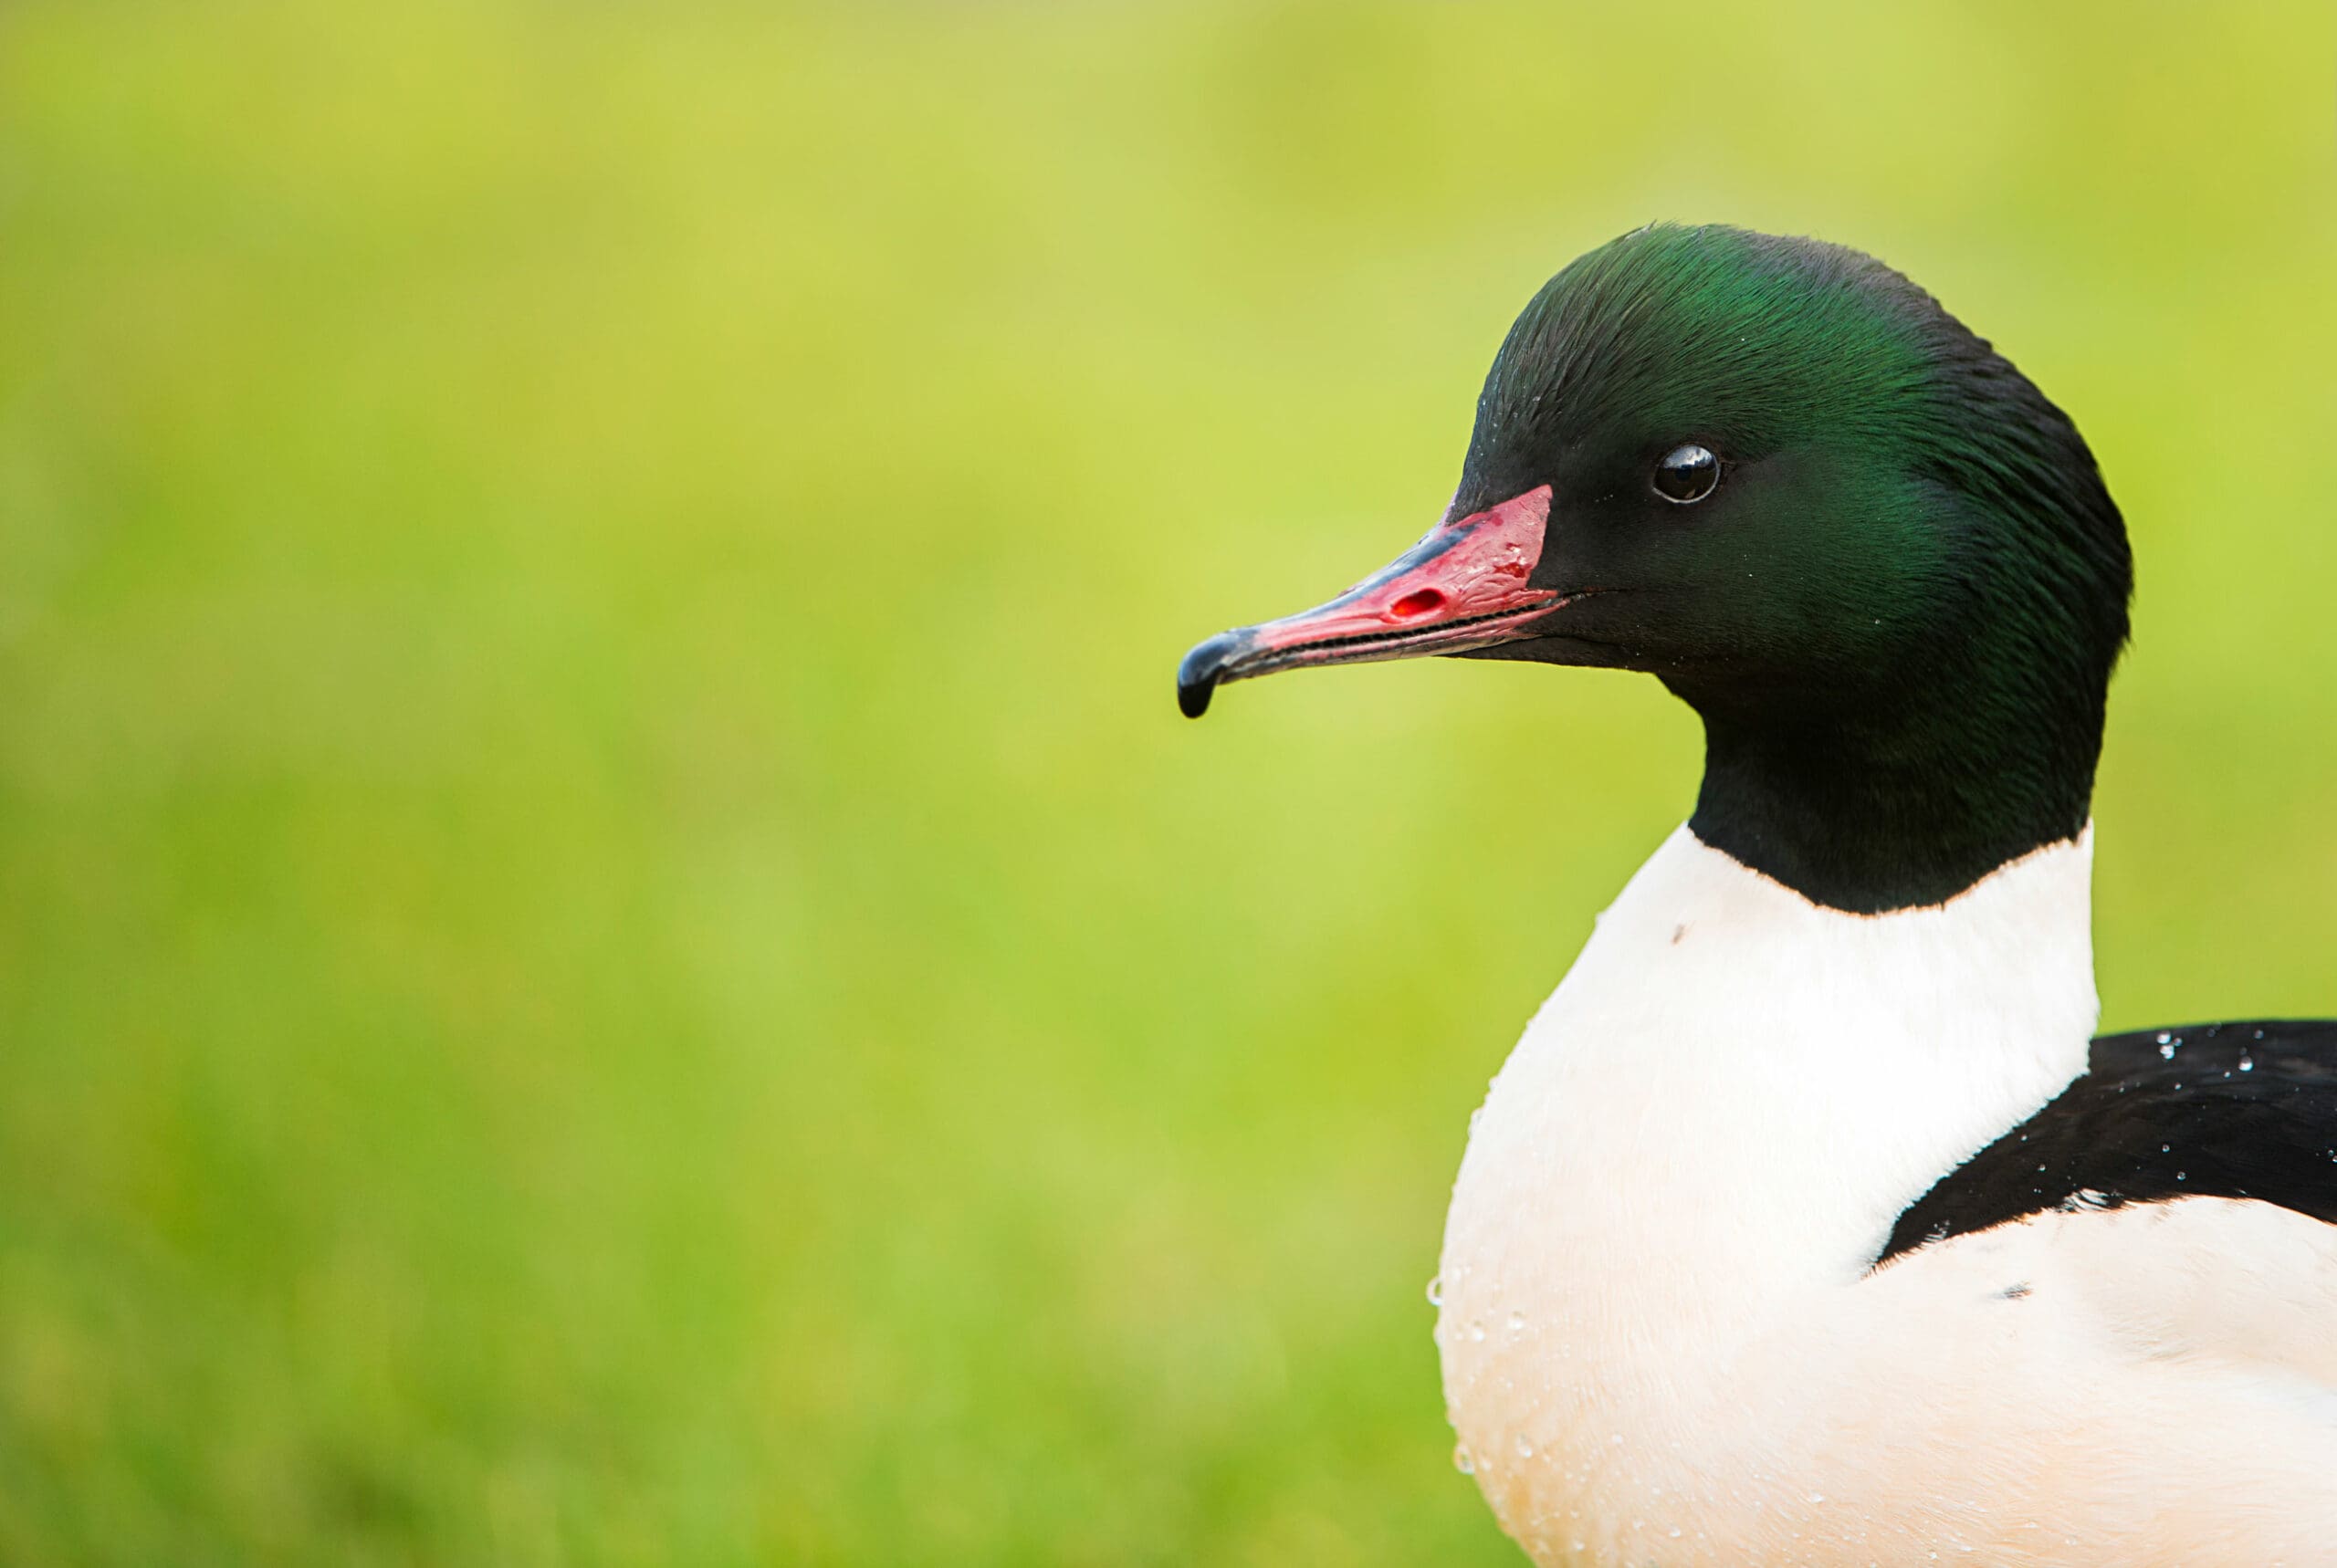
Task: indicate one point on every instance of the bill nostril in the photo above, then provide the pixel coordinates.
(1413, 605)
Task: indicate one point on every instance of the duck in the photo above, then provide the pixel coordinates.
(1808, 1222)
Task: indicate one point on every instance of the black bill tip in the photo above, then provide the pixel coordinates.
(1197, 677)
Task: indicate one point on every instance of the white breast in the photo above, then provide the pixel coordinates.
(1662, 1344)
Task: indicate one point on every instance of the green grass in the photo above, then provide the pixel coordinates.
(610, 948)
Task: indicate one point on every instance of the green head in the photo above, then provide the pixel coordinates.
(1777, 475)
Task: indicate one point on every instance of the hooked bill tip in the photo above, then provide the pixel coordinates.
(1192, 697)
(1198, 676)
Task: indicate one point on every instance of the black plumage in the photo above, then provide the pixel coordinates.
(2231, 1110)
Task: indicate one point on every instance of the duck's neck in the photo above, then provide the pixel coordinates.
(1877, 806)
(1735, 1092)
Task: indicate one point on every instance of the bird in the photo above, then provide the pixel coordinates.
(1808, 1223)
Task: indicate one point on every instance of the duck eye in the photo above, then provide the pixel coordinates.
(1686, 474)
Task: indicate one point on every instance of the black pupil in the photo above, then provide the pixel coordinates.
(1687, 474)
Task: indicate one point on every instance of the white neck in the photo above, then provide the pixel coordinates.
(1734, 1092)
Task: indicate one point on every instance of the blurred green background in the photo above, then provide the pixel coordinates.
(612, 950)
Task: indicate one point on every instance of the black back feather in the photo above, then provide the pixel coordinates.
(2231, 1110)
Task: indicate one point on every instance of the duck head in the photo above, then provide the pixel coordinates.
(1775, 473)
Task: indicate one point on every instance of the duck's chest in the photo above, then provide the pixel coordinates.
(1705, 1136)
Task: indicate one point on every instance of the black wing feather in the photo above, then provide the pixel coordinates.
(2229, 1110)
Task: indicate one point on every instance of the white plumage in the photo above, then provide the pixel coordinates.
(1662, 1340)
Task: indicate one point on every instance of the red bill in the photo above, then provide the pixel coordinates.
(1465, 585)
